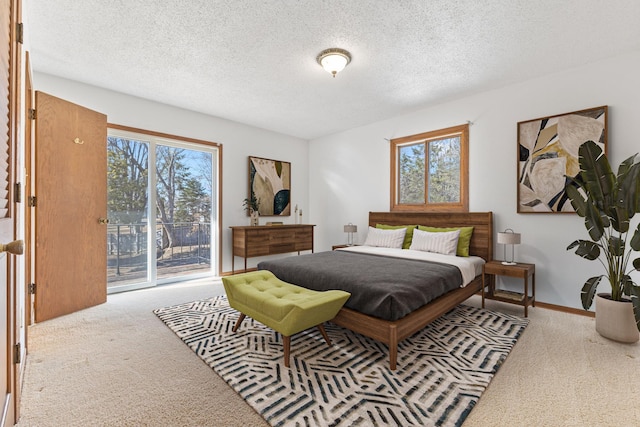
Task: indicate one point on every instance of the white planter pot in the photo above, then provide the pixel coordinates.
(615, 320)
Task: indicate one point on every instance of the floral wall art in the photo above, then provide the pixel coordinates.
(270, 184)
(548, 155)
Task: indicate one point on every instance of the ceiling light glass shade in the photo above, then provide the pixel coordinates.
(334, 60)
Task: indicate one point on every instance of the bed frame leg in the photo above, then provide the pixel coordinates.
(393, 347)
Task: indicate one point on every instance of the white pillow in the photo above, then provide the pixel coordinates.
(385, 238)
(442, 242)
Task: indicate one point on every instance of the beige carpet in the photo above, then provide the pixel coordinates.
(118, 365)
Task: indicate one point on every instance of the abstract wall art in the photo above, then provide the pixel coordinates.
(548, 157)
(270, 184)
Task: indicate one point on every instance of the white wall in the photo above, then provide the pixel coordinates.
(238, 142)
(349, 174)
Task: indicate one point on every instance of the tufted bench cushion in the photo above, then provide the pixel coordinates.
(282, 306)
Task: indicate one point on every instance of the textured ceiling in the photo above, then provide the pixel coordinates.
(253, 61)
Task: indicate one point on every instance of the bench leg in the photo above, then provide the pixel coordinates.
(287, 349)
(324, 333)
(239, 321)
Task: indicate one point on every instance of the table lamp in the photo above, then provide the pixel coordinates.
(508, 237)
(350, 229)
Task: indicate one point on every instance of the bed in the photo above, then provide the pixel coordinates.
(403, 317)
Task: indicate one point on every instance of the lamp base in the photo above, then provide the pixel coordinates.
(509, 263)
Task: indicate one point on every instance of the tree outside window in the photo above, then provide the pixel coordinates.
(429, 171)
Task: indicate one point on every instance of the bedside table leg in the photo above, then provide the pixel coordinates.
(526, 296)
(533, 289)
(483, 285)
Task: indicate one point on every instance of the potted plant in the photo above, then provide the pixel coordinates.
(608, 202)
(251, 206)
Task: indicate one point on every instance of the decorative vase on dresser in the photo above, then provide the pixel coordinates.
(255, 218)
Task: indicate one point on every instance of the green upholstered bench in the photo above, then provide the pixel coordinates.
(282, 306)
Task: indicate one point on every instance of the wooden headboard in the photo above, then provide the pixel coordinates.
(482, 223)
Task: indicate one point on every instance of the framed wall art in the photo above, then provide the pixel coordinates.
(270, 185)
(548, 156)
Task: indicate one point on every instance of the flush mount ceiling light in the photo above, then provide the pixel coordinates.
(333, 60)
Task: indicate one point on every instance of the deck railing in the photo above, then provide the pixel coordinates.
(127, 249)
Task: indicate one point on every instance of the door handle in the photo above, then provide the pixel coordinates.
(16, 247)
(103, 220)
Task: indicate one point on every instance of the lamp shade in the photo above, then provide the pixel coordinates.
(350, 228)
(508, 238)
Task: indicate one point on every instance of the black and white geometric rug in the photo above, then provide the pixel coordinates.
(442, 370)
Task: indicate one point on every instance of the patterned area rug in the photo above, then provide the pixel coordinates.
(442, 370)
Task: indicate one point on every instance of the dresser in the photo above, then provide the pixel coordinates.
(262, 240)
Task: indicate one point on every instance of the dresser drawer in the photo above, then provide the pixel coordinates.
(280, 248)
(282, 236)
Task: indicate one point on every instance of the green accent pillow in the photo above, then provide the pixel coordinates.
(407, 236)
(463, 241)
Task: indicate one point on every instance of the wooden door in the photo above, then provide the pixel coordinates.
(71, 200)
(10, 54)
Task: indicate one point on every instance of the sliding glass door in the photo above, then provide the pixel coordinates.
(160, 216)
(183, 207)
(127, 211)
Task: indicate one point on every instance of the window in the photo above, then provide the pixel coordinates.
(430, 171)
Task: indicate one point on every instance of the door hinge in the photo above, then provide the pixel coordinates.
(20, 32)
(32, 288)
(33, 201)
(17, 354)
(32, 113)
(17, 192)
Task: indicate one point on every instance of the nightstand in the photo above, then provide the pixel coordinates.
(527, 272)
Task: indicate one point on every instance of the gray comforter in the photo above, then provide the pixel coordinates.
(384, 287)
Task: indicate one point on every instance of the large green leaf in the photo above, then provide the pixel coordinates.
(635, 240)
(616, 246)
(586, 249)
(594, 221)
(625, 167)
(627, 186)
(625, 195)
(619, 219)
(577, 199)
(627, 284)
(589, 291)
(597, 173)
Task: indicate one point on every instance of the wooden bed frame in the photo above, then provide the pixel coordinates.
(392, 332)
